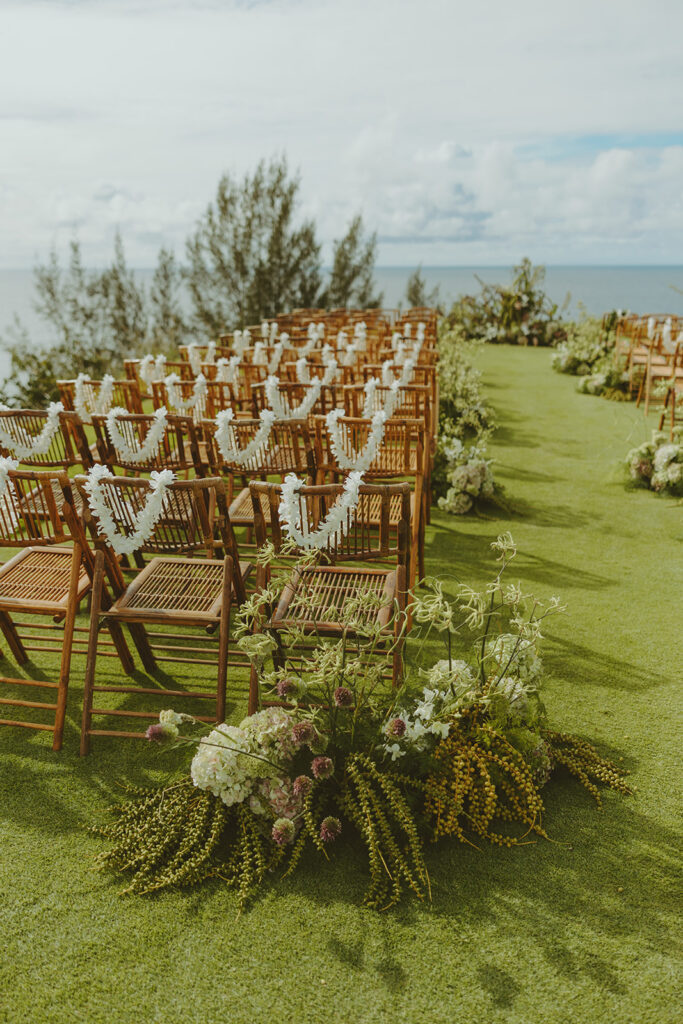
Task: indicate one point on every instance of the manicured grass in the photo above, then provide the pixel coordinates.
(579, 929)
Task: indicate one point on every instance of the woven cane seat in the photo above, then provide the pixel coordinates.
(176, 588)
(315, 598)
(38, 578)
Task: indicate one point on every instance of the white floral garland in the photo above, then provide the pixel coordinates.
(149, 446)
(146, 521)
(226, 369)
(274, 363)
(239, 342)
(355, 461)
(303, 371)
(152, 368)
(282, 409)
(228, 445)
(175, 397)
(194, 357)
(101, 402)
(259, 355)
(390, 400)
(40, 444)
(407, 373)
(6, 466)
(337, 522)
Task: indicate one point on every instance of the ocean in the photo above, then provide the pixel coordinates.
(640, 289)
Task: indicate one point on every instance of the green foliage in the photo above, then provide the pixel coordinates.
(351, 281)
(168, 327)
(416, 293)
(520, 314)
(248, 258)
(586, 345)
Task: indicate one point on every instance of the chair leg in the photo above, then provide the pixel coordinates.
(122, 650)
(67, 645)
(91, 659)
(13, 639)
(223, 638)
(139, 635)
(399, 627)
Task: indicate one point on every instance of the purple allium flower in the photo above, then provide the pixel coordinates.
(302, 785)
(283, 831)
(159, 733)
(285, 687)
(303, 732)
(330, 829)
(396, 727)
(343, 697)
(322, 767)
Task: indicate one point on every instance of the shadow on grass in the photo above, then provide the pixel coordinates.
(602, 669)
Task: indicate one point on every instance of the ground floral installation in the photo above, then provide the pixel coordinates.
(462, 750)
(588, 346)
(658, 463)
(462, 477)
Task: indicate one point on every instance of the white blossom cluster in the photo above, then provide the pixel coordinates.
(658, 463)
(469, 477)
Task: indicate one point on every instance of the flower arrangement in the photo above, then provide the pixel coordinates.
(337, 522)
(147, 519)
(87, 402)
(347, 458)
(585, 347)
(148, 448)
(280, 405)
(462, 750)
(658, 463)
(152, 368)
(610, 381)
(469, 477)
(227, 442)
(6, 466)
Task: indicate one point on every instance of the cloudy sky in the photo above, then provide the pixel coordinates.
(467, 134)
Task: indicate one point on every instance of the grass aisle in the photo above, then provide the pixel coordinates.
(581, 929)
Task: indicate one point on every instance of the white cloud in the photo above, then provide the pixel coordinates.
(464, 135)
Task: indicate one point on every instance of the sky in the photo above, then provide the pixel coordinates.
(466, 134)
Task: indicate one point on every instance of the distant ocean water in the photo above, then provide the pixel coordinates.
(641, 289)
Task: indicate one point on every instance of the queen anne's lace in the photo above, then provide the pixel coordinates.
(336, 524)
(149, 447)
(87, 401)
(355, 460)
(38, 445)
(146, 521)
(281, 407)
(227, 442)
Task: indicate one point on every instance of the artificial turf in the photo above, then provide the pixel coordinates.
(582, 928)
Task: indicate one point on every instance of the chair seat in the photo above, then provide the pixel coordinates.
(314, 598)
(187, 589)
(37, 508)
(37, 579)
(241, 510)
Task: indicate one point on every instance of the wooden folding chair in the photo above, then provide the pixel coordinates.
(125, 394)
(314, 597)
(46, 578)
(288, 449)
(402, 455)
(173, 589)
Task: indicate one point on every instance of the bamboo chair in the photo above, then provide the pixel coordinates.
(293, 393)
(175, 589)
(313, 597)
(178, 449)
(662, 361)
(131, 368)
(673, 401)
(126, 394)
(289, 449)
(46, 578)
(221, 395)
(402, 455)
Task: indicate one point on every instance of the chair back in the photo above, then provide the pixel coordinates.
(287, 449)
(368, 534)
(31, 506)
(35, 438)
(125, 394)
(177, 448)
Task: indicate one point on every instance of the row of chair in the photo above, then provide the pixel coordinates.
(652, 347)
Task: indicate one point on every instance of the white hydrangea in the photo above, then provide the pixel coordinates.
(517, 657)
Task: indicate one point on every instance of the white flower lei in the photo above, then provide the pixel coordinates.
(239, 342)
(274, 363)
(337, 522)
(175, 397)
(100, 402)
(281, 407)
(259, 357)
(390, 400)
(303, 372)
(6, 465)
(228, 444)
(126, 544)
(152, 368)
(355, 461)
(38, 445)
(149, 446)
(194, 357)
(407, 373)
(226, 369)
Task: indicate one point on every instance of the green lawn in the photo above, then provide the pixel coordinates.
(582, 929)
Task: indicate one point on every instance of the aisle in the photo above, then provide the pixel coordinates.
(580, 929)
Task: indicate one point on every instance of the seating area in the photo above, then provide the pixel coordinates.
(652, 347)
(138, 507)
